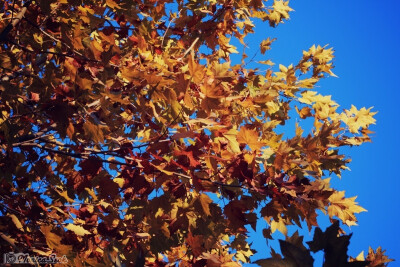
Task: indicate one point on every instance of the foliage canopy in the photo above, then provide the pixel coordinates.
(128, 136)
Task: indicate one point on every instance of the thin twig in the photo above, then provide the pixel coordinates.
(190, 48)
(14, 22)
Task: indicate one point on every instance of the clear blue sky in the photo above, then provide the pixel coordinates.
(366, 38)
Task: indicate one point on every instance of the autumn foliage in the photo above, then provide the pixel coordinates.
(129, 136)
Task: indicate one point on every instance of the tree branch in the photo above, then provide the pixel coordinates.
(14, 22)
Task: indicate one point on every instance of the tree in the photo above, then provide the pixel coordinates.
(128, 136)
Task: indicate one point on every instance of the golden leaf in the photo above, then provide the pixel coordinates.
(344, 208)
(16, 222)
(250, 138)
(77, 229)
(279, 225)
(266, 45)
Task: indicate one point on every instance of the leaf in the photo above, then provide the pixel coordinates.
(271, 262)
(378, 257)
(205, 202)
(334, 246)
(305, 112)
(279, 225)
(356, 119)
(119, 181)
(90, 166)
(250, 138)
(231, 136)
(93, 132)
(301, 256)
(53, 240)
(5, 61)
(16, 222)
(344, 208)
(162, 170)
(266, 45)
(77, 229)
(8, 239)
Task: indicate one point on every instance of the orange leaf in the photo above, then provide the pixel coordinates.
(250, 138)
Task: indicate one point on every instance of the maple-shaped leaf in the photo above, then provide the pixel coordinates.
(53, 240)
(266, 45)
(377, 258)
(356, 119)
(279, 225)
(249, 137)
(344, 208)
(90, 166)
(280, 11)
(272, 262)
(334, 246)
(205, 202)
(93, 132)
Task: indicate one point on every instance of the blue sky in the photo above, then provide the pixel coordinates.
(366, 39)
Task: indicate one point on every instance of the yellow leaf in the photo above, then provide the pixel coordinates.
(112, 4)
(16, 221)
(196, 70)
(8, 239)
(267, 62)
(64, 194)
(77, 229)
(360, 256)
(162, 170)
(282, 7)
(279, 225)
(356, 119)
(250, 138)
(232, 140)
(266, 45)
(119, 181)
(344, 208)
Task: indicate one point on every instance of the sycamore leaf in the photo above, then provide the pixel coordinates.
(8, 239)
(119, 181)
(378, 257)
(93, 132)
(64, 194)
(5, 61)
(162, 170)
(16, 222)
(266, 45)
(205, 202)
(282, 7)
(344, 208)
(304, 112)
(356, 119)
(53, 240)
(77, 229)
(280, 11)
(250, 138)
(231, 136)
(272, 262)
(279, 225)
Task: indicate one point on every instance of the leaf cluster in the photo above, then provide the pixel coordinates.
(127, 134)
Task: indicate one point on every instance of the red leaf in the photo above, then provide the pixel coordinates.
(189, 154)
(90, 166)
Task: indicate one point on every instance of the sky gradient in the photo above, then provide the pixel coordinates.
(366, 38)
